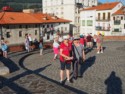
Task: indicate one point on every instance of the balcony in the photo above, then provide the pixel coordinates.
(99, 28)
(117, 22)
(104, 20)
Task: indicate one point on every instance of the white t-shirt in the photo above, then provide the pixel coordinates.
(60, 39)
(56, 44)
(30, 39)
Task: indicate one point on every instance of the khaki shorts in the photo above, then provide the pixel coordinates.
(89, 44)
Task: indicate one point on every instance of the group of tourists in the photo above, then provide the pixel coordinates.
(71, 51)
(30, 42)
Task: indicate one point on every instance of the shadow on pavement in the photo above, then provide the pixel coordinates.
(21, 61)
(9, 63)
(13, 86)
(114, 84)
(10, 82)
(87, 64)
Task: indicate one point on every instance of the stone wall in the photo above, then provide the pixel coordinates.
(114, 38)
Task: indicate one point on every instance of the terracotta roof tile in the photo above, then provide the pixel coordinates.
(27, 18)
(105, 6)
(120, 11)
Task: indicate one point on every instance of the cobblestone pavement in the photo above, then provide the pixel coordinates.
(35, 74)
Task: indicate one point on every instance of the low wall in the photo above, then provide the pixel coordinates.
(21, 47)
(114, 38)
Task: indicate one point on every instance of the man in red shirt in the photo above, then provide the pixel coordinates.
(65, 58)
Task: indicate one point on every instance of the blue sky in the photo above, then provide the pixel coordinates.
(103, 1)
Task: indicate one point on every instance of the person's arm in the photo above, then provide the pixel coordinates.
(84, 56)
(66, 57)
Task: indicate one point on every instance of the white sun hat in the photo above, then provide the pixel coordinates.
(65, 37)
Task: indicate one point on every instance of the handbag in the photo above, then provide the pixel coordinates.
(81, 61)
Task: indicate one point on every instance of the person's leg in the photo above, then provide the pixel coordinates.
(55, 56)
(68, 74)
(68, 67)
(101, 48)
(41, 51)
(98, 48)
(5, 53)
(62, 65)
(61, 75)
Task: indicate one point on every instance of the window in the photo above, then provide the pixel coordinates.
(47, 26)
(35, 32)
(20, 26)
(7, 27)
(89, 23)
(83, 22)
(51, 25)
(98, 16)
(8, 34)
(117, 22)
(48, 36)
(121, 18)
(43, 26)
(20, 33)
(114, 18)
(108, 15)
(103, 16)
(26, 26)
(116, 30)
(36, 25)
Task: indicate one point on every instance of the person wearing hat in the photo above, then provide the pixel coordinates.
(79, 57)
(65, 59)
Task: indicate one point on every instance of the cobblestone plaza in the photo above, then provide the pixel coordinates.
(35, 74)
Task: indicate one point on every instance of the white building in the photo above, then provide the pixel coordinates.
(68, 9)
(99, 19)
(119, 22)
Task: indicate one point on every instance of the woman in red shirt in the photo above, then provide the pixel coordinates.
(65, 59)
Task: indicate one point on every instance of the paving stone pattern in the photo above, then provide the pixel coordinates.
(102, 73)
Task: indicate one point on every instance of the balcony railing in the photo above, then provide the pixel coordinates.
(101, 19)
(99, 28)
(117, 22)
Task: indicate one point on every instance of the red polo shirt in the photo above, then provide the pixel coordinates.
(65, 50)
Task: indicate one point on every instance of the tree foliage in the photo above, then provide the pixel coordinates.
(19, 5)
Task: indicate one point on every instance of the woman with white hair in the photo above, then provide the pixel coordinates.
(65, 59)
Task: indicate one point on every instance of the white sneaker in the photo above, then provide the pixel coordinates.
(98, 52)
(101, 51)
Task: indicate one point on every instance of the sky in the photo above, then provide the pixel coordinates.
(103, 1)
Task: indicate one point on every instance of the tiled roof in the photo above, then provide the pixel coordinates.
(105, 6)
(27, 18)
(120, 11)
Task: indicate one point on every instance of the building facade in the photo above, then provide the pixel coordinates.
(15, 25)
(119, 22)
(68, 9)
(101, 18)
